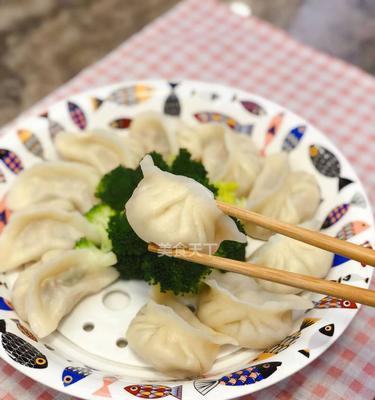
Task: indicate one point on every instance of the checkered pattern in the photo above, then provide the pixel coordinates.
(203, 40)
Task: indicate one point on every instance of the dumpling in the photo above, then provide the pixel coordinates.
(230, 156)
(193, 138)
(281, 252)
(173, 209)
(171, 339)
(101, 150)
(153, 134)
(235, 306)
(59, 180)
(45, 292)
(32, 232)
(289, 196)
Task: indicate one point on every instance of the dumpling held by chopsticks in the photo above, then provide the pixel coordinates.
(173, 210)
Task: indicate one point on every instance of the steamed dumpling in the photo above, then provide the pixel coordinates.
(281, 252)
(56, 180)
(153, 134)
(103, 151)
(229, 157)
(45, 292)
(235, 306)
(175, 210)
(291, 197)
(32, 232)
(194, 138)
(171, 339)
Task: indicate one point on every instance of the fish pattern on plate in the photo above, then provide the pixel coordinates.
(293, 138)
(246, 376)
(154, 391)
(31, 142)
(125, 96)
(318, 339)
(327, 164)
(287, 341)
(11, 160)
(21, 351)
(218, 118)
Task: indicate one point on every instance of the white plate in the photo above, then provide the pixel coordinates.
(108, 368)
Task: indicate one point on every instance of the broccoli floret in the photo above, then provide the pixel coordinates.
(232, 249)
(159, 161)
(99, 215)
(172, 274)
(127, 246)
(116, 187)
(84, 243)
(183, 164)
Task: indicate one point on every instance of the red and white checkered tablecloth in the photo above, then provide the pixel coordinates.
(204, 40)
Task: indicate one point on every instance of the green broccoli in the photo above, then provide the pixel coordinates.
(127, 246)
(116, 187)
(99, 215)
(84, 243)
(232, 249)
(183, 164)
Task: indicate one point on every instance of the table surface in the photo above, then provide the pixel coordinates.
(201, 40)
(78, 35)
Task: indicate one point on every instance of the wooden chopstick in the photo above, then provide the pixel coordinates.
(353, 293)
(317, 239)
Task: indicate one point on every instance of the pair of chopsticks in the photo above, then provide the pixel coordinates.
(304, 282)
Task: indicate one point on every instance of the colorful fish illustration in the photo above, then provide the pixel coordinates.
(31, 142)
(11, 161)
(127, 96)
(327, 164)
(25, 330)
(317, 339)
(172, 105)
(333, 302)
(72, 375)
(212, 96)
(4, 214)
(77, 115)
(53, 127)
(154, 391)
(20, 351)
(246, 376)
(223, 119)
(339, 259)
(253, 108)
(272, 130)
(104, 390)
(287, 342)
(338, 212)
(121, 123)
(5, 304)
(351, 278)
(351, 229)
(293, 138)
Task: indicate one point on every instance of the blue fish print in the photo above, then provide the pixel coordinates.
(293, 138)
(5, 304)
(72, 375)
